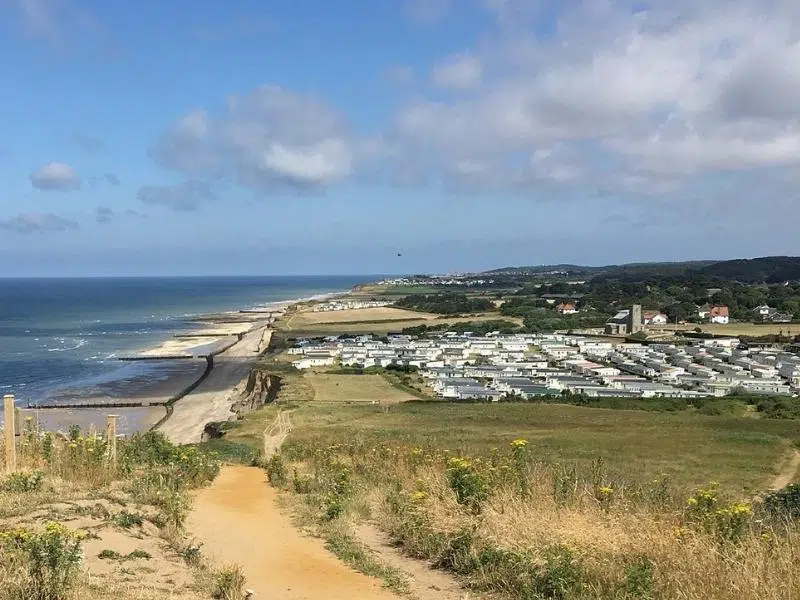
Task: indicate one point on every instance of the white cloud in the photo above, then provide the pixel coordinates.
(661, 96)
(622, 97)
(268, 137)
(104, 214)
(37, 223)
(460, 71)
(60, 23)
(55, 176)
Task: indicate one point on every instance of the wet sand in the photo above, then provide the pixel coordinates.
(212, 399)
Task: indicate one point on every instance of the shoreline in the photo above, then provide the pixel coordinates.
(238, 337)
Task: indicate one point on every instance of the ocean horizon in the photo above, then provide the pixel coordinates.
(61, 338)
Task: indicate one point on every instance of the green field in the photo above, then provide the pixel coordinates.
(743, 454)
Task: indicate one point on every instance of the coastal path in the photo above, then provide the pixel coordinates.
(212, 399)
(237, 521)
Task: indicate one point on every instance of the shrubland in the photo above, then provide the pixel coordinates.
(490, 494)
(64, 478)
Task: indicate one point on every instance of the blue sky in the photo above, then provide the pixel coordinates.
(318, 137)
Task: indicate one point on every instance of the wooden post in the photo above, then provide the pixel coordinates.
(111, 438)
(10, 426)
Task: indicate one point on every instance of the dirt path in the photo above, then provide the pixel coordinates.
(424, 583)
(788, 471)
(237, 521)
(276, 434)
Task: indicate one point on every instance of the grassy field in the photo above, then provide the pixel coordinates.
(550, 501)
(355, 388)
(735, 329)
(742, 454)
(368, 320)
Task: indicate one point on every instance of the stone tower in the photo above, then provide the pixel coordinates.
(635, 323)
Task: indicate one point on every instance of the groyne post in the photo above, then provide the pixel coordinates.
(111, 438)
(9, 427)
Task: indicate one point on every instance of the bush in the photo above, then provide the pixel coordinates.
(470, 487)
(49, 560)
(23, 482)
(228, 584)
(127, 520)
(639, 582)
(783, 504)
(276, 471)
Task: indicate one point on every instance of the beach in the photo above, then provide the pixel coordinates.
(178, 385)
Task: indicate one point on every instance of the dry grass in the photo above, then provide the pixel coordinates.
(355, 388)
(734, 329)
(370, 320)
(71, 483)
(623, 544)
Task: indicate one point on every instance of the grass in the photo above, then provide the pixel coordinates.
(741, 453)
(734, 329)
(355, 388)
(58, 477)
(376, 321)
(550, 501)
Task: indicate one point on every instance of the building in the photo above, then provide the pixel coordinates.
(567, 308)
(654, 317)
(618, 324)
(718, 314)
(635, 323)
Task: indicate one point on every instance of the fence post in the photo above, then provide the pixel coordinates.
(10, 426)
(111, 438)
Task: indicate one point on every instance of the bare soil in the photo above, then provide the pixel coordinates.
(163, 575)
(788, 472)
(237, 521)
(425, 583)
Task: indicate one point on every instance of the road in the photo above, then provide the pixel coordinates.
(212, 399)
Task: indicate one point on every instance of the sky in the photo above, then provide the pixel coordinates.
(394, 136)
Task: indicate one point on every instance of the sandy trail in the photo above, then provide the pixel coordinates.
(788, 471)
(237, 521)
(425, 583)
(213, 398)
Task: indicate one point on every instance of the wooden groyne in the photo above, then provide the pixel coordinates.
(164, 357)
(133, 403)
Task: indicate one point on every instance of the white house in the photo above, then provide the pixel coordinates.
(654, 317)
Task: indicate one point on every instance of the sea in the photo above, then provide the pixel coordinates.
(61, 339)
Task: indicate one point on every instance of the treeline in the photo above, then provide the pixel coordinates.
(770, 407)
(445, 304)
(538, 316)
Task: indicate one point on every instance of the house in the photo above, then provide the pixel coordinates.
(764, 311)
(654, 317)
(567, 308)
(718, 314)
(618, 324)
(767, 313)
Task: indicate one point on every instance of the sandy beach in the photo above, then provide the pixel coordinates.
(235, 339)
(212, 399)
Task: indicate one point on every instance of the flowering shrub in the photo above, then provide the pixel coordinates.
(728, 522)
(49, 559)
(470, 487)
(22, 482)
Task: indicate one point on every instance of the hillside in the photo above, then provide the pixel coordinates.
(769, 269)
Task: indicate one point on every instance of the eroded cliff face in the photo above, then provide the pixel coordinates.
(261, 389)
